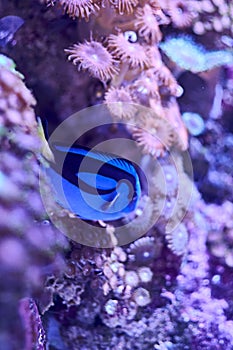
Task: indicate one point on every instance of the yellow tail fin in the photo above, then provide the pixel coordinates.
(45, 149)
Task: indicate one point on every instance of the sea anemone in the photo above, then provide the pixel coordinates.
(158, 12)
(155, 4)
(171, 177)
(111, 307)
(183, 199)
(141, 296)
(218, 58)
(132, 53)
(157, 107)
(120, 103)
(219, 219)
(94, 57)
(146, 85)
(147, 25)
(124, 6)
(156, 137)
(173, 115)
(143, 218)
(165, 180)
(118, 313)
(149, 142)
(194, 123)
(79, 8)
(131, 278)
(167, 83)
(178, 239)
(145, 274)
(181, 13)
(144, 250)
(154, 57)
(172, 187)
(186, 54)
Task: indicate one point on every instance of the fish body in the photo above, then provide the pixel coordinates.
(94, 185)
(8, 27)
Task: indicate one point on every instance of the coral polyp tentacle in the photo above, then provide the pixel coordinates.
(124, 6)
(95, 58)
(79, 8)
(121, 103)
(132, 53)
(147, 25)
(181, 12)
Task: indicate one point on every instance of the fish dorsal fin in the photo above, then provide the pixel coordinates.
(112, 159)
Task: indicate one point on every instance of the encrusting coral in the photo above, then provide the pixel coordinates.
(29, 246)
(35, 334)
(213, 16)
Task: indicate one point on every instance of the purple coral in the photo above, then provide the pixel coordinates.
(34, 331)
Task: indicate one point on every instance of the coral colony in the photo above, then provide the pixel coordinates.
(156, 276)
(189, 56)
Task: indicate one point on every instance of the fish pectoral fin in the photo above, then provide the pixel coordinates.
(108, 205)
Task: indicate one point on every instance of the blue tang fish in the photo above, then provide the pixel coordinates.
(94, 185)
(8, 27)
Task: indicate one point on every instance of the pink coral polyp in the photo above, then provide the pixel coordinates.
(147, 24)
(95, 58)
(124, 6)
(79, 8)
(132, 53)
